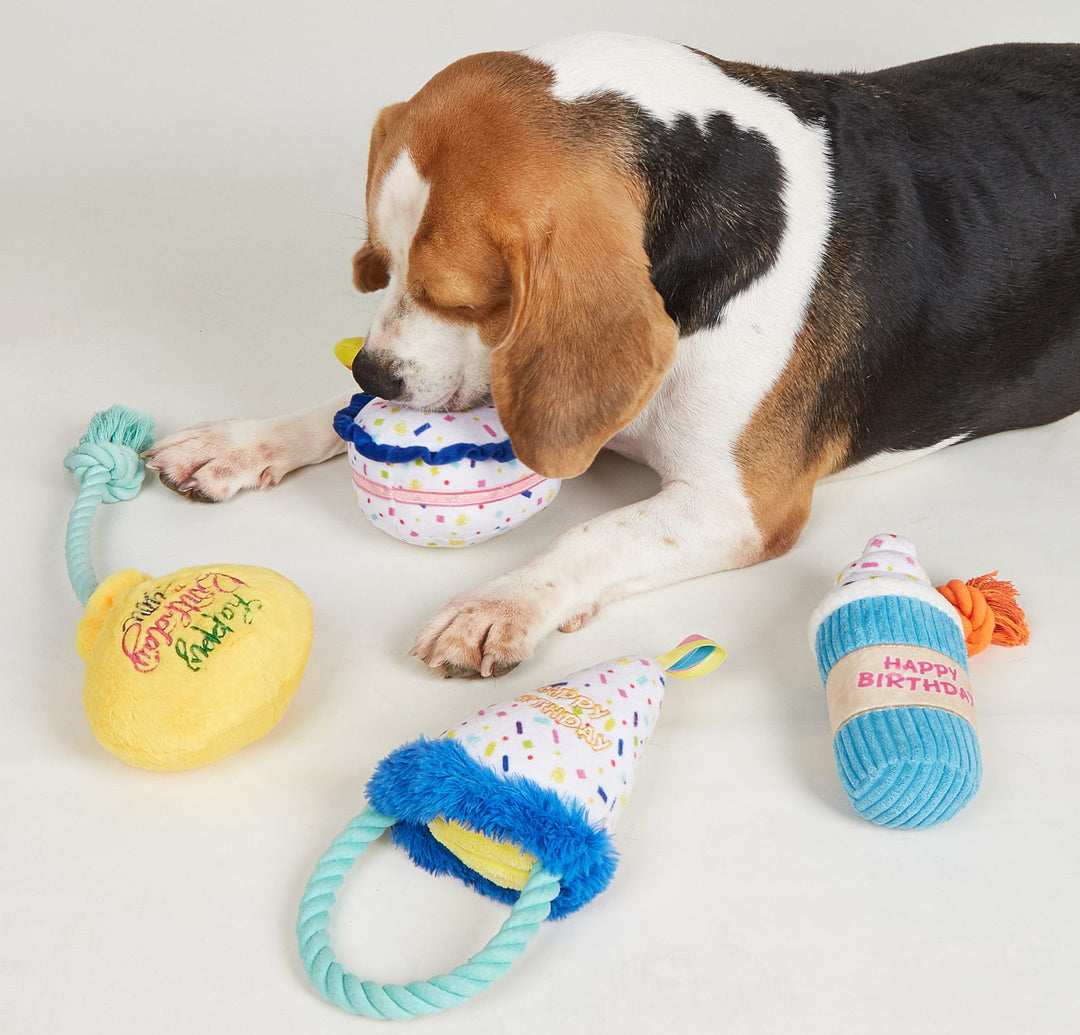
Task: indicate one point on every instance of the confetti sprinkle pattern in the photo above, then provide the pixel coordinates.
(456, 504)
(581, 738)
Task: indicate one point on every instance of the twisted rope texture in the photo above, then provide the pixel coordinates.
(397, 1002)
(989, 612)
(108, 468)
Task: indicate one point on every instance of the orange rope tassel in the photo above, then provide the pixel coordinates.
(989, 611)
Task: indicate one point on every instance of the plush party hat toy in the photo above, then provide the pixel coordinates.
(183, 669)
(892, 652)
(519, 800)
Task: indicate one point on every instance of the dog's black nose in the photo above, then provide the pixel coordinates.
(373, 377)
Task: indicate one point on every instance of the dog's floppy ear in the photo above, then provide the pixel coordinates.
(370, 272)
(589, 340)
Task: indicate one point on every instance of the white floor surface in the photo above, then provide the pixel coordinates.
(181, 196)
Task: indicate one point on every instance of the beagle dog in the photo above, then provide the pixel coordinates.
(708, 266)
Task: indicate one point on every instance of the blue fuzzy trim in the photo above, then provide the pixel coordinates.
(430, 778)
(346, 427)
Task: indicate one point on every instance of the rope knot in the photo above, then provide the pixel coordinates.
(118, 465)
(988, 611)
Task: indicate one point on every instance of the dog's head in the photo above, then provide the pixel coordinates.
(506, 230)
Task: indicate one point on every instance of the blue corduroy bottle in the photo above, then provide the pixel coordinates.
(891, 653)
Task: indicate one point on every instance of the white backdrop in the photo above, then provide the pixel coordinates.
(181, 193)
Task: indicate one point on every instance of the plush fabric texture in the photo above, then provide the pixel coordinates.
(501, 862)
(878, 587)
(908, 767)
(428, 779)
(437, 479)
(581, 738)
(887, 619)
(185, 669)
(395, 434)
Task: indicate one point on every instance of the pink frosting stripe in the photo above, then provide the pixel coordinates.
(445, 499)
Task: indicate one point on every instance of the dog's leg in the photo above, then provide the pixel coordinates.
(683, 531)
(211, 462)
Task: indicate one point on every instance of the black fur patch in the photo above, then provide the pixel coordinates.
(714, 218)
(957, 198)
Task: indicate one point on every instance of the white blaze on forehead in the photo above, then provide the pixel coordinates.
(438, 361)
(403, 196)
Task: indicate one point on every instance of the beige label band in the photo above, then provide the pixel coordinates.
(891, 676)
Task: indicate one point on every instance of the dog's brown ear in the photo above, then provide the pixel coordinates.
(589, 340)
(370, 272)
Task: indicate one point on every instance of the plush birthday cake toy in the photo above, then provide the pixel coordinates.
(434, 478)
(892, 651)
(519, 800)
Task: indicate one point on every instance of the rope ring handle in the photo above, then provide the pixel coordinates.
(397, 1002)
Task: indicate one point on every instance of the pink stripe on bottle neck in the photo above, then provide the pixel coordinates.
(446, 499)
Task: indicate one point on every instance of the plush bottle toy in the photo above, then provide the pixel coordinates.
(892, 652)
(519, 800)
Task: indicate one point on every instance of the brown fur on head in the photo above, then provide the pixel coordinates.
(528, 252)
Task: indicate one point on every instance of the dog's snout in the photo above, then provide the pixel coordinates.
(375, 377)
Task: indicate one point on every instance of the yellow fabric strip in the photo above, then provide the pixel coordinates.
(502, 863)
(688, 646)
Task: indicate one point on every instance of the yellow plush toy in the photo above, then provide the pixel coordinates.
(184, 669)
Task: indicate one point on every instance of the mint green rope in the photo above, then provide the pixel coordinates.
(107, 465)
(397, 1002)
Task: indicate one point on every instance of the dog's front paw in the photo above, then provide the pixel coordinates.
(480, 634)
(212, 462)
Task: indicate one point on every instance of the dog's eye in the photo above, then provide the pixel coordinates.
(439, 300)
(449, 306)
(449, 303)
